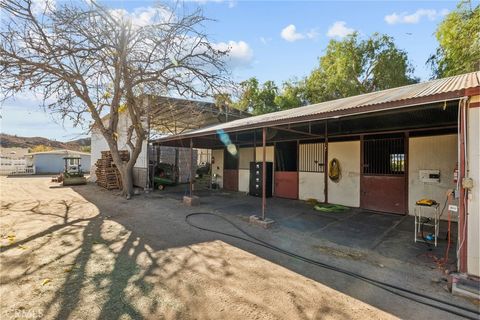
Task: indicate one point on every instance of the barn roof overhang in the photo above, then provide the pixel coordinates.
(420, 107)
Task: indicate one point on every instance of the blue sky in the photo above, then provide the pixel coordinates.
(272, 40)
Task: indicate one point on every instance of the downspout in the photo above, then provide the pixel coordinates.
(264, 173)
(463, 209)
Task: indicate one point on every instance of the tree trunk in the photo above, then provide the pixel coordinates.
(125, 169)
(127, 181)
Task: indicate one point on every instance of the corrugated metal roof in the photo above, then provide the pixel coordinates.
(379, 100)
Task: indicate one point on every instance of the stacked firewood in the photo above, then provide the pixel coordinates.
(107, 173)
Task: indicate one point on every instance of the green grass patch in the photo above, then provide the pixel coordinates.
(327, 207)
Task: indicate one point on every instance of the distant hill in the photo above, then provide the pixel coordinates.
(11, 141)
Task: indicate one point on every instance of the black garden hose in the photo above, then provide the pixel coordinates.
(402, 292)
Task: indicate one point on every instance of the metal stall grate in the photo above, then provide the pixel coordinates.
(384, 156)
(312, 157)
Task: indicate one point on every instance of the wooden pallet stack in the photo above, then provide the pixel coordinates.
(107, 173)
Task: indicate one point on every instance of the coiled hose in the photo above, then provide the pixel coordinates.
(402, 292)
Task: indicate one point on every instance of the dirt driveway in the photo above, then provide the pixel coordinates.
(66, 257)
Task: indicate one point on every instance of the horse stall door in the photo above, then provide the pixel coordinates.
(286, 173)
(383, 179)
(230, 171)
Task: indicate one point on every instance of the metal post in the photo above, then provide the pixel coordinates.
(156, 164)
(255, 146)
(325, 168)
(191, 168)
(406, 158)
(298, 169)
(462, 209)
(362, 167)
(264, 172)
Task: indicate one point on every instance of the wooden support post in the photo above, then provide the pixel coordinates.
(192, 174)
(325, 169)
(264, 172)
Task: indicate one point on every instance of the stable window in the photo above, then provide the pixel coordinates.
(286, 156)
(384, 156)
(312, 157)
(397, 162)
(231, 160)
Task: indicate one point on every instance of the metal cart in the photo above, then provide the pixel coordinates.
(422, 220)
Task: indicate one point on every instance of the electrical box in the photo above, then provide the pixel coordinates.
(467, 183)
(432, 176)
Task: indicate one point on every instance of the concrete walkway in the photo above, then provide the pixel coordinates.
(365, 233)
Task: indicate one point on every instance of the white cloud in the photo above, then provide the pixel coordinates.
(339, 29)
(312, 34)
(143, 16)
(444, 12)
(230, 3)
(290, 33)
(239, 52)
(265, 40)
(41, 6)
(405, 17)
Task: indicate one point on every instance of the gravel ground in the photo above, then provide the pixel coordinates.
(84, 253)
(64, 257)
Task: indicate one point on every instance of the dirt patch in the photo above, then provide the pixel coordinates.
(343, 253)
(65, 258)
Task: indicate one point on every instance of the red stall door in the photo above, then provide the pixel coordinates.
(384, 177)
(383, 193)
(230, 179)
(286, 184)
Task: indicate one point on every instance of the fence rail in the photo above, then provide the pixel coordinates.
(16, 171)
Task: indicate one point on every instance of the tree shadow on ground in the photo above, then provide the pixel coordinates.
(150, 267)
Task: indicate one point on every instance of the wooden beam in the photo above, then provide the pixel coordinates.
(299, 132)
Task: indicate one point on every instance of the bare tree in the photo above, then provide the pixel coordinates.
(93, 62)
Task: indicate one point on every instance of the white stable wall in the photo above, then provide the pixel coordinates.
(437, 153)
(243, 180)
(311, 185)
(269, 157)
(99, 144)
(347, 191)
(473, 203)
(246, 155)
(270, 154)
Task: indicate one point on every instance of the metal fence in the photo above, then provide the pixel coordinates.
(312, 157)
(9, 166)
